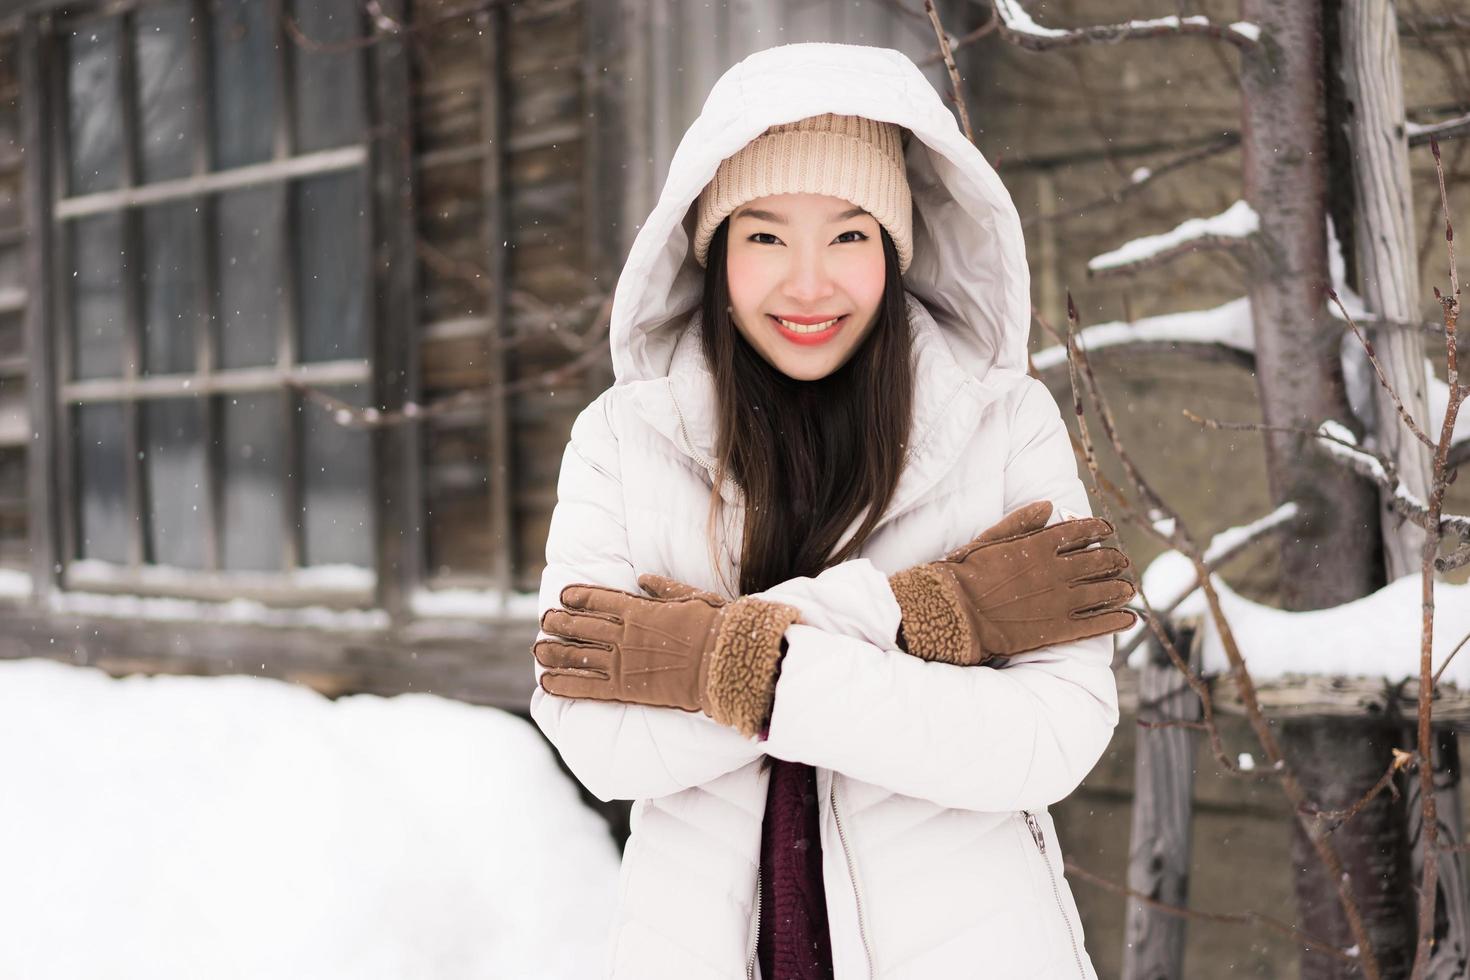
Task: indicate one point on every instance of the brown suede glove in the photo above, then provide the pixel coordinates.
(681, 652)
(1020, 586)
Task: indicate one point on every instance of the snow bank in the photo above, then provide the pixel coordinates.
(238, 827)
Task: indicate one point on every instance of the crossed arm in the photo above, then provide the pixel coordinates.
(849, 698)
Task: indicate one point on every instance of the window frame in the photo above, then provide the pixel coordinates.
(388, 370)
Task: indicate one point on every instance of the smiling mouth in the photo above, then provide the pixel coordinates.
(814, 333)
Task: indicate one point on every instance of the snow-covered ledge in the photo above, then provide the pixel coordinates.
(1347, 660)
(14, 585)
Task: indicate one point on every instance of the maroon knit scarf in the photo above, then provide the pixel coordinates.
(794, 942)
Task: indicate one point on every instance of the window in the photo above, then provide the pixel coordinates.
(212, 221)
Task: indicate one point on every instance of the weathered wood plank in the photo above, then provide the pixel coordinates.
(479, 662)
(1451, 956)
(1159, 850)
(1309, 696)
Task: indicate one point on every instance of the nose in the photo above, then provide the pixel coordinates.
(807, 280)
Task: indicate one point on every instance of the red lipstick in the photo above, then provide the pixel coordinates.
(809, 339)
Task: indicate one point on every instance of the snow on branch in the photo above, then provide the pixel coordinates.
(1339, 444)
(1231, 229)
(1226, 327)
(1419, 133)
(1017, 27)
(1165, 593)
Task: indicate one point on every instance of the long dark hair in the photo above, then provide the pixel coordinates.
(811, 456)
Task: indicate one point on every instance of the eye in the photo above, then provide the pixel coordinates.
(861, 237)
(759, 234)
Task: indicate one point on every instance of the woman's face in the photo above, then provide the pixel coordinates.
(807, 258)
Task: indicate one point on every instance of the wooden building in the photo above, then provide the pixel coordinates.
(298, 301)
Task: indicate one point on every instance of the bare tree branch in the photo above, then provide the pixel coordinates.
(1214, 147)
(1265, 735)
(1335, 819)
(954, 72)
(1447, 660)
(1446, 130)
(1230, 918)
(1439, 483)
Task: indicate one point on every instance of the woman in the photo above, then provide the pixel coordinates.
(809, 600)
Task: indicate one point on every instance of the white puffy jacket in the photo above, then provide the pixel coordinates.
(939, 857)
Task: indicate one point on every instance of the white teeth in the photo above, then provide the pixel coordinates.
(806, 328)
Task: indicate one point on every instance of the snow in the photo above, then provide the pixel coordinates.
(172, 827)
(1229, 324)
(1377, 636)
(13, 584)
(243, 611)
(470, 604)
(1237, 221)
(1233, 538)
(1017, 19)
(1247, 30)
(474, 604)
(1363, 462)
(1166, 592)
(1444, 125)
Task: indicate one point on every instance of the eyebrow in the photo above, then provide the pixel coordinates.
(778, 219)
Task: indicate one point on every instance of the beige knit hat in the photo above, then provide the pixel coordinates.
(851, 157)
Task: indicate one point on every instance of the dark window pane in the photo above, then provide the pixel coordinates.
(166, 89)
(252, 469)
(245, 98)
(328, 84)
(94, 116)
(171, 286)
(97, 296)
(248, 270)
(103, 521)
(336, 480)
(330, 274)
(175, 459)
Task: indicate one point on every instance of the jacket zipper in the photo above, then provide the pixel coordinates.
(755, 937)
(698, 456)
(852, 875)
(1036, 835)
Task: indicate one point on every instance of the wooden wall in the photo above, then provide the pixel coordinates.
(14, 423)
(509, 265)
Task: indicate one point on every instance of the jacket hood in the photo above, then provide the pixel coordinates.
(969, 267)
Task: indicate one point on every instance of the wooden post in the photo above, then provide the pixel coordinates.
(1382, 235)
(1158, 851)
(397, 460)
(1381, 231)
(1451, 955)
